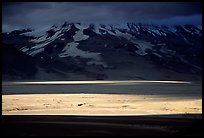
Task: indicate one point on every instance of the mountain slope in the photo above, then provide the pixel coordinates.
(131, 51)
(17, 64)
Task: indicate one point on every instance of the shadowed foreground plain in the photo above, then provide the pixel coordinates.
(156, 125)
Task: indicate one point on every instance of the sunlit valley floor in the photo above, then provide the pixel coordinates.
(98, 104)
(102, 97)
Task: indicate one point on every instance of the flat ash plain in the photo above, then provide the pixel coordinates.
(127, 98)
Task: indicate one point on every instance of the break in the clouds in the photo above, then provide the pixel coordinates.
(44, 14)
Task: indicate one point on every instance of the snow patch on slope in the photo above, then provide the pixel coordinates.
(37, 33)
(24, 49)
(143, 46)
(71, 50)
(106, 29)
(124, 35)
(81, 26)
(79, 36)
(33, 53)
(43, 41)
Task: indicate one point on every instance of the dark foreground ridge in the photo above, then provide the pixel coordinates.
(44, 125)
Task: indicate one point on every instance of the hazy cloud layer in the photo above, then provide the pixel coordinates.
(42, 14)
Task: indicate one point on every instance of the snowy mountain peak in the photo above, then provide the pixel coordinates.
(104, 46)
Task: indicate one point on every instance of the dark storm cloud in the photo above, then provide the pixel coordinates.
(41, 14)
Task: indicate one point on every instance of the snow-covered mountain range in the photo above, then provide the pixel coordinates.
(74, 51)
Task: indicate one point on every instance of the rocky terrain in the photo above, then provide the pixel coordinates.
(77, 51)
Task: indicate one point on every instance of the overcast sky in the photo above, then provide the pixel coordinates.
(44, 14)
